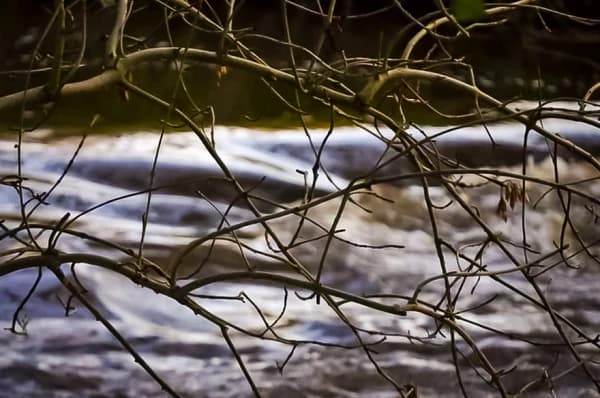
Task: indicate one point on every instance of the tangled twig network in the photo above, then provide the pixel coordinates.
(297, 239)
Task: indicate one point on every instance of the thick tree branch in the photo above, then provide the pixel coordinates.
(39, 95)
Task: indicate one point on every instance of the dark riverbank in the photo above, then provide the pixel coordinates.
(521, 58)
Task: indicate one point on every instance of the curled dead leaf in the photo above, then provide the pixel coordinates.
(502, 208)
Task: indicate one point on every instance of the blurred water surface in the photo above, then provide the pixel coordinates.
(76, 357)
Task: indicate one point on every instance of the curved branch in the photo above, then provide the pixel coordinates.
(443, 20)
(373, 92)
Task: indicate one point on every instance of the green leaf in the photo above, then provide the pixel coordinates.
(467, 10)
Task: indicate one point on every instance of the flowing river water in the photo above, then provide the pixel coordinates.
(76, 357)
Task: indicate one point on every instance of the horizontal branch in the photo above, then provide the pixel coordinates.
(364, 101)
(180, 293)
(40, 95)
(290, 281)
(112, 76)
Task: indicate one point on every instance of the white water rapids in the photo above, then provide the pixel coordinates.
(76, 357)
